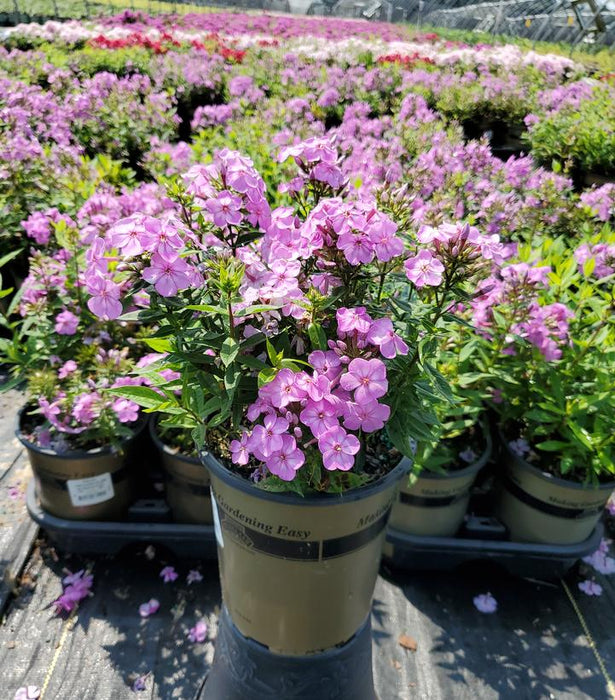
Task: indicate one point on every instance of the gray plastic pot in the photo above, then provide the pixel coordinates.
(538, 507)
(435, 504)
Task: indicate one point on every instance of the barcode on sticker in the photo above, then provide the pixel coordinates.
(90, 491)
(217, 528)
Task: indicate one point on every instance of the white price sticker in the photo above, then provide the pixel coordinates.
(217, 528)
(90, 491)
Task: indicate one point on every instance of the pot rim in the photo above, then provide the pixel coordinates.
(471, 468)
(289, 498)
(551, 478)
(74, 454)
(163, 447)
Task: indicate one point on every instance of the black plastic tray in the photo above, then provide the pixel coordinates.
(148, 523)
(541, 561)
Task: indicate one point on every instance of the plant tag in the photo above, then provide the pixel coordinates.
(217, 528)
(90, 491)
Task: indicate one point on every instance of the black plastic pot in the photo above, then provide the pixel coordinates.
(298, 576)
(95, 484)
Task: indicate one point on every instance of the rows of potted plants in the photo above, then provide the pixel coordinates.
(330, 303)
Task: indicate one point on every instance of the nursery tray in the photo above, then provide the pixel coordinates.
(148, 522)
(529, 560)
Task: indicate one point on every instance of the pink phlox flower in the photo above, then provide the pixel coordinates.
(286, 461)
(356, 246)
(127, 234)
(127, 411)
(326, 363)
(319, 416)
(140, 683)
(162, 238)
(168, 574)
(350, 320)
(590, 588)
(198, 633)
(424, 269)
(485, 603)
(601, 562)
(86, 408)
(77, 587)
(66, 323)
(267, 439)
(338, 449)
(382, 334)
(67, 368)
(329, 173)
(317, 387)
(240, 452)
(283, 389)
(225, 209)
(194, 576)
(104, 302)
(369, 416)
(150, 608)
(167, 276)
(367, 378)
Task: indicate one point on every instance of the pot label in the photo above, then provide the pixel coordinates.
(90, 491)
(217, 528)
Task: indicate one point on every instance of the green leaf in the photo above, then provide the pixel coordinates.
(228, 351)
(552, 445)
(317, 336)
(142, 395)
(160, 344)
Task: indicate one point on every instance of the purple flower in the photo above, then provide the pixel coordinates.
(468, 455)
(319, 416)
(198, 633)
(66, 323)
(382, 334)
(146, 609)
(67, 368)
(239, 450)
(285, 462)
(194, 576)
(369, 416)
(590, 588)
(168, 574)
(367, 377)
(423, 269)
(105, 301)
(349, 320)
(126, 411)
(167, 276)
(601, 562)
(338, 449)
(268, 438)
(520, 447)
(140, 683)
(485, 603)
(225, 209)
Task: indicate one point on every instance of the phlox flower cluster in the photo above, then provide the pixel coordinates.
(326, 408)
(515, 291)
